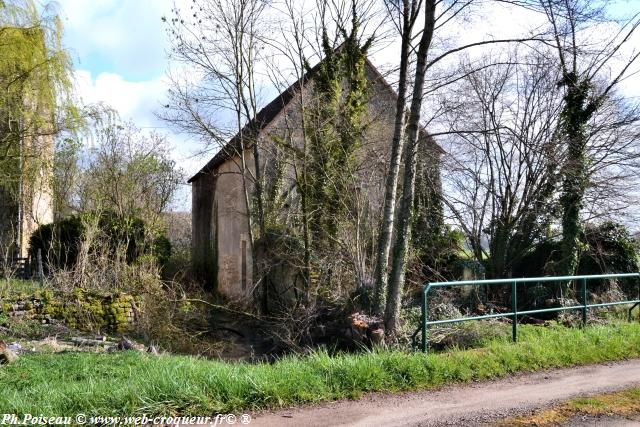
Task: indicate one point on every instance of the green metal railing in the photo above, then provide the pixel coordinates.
(425, 322)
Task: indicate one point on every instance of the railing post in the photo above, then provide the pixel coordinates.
(583, 291)
(425, 316)
(631, 310)
(636, 304)
(514, 308)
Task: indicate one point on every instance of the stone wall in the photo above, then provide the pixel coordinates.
(78, 310)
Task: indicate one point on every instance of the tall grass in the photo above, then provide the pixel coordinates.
(10, 287)
(135, 383)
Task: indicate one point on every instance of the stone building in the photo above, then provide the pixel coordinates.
(221, 245)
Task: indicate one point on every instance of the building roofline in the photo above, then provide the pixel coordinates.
(267, 114)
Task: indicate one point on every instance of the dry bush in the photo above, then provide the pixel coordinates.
(177, 321)
(166, 317)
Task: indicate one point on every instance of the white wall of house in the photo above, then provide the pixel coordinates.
(231, 226)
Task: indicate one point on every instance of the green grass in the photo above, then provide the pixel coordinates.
(18, 287)
(619, 404)
(135, 383)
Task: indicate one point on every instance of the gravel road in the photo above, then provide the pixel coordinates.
(463, 405)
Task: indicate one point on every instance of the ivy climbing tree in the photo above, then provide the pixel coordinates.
(335, 127)
(334, 124)
(589, 75)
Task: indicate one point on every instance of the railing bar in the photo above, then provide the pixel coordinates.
(606, 304)
(464, 319)
(521, 313)
(531, 280)
(550, 310)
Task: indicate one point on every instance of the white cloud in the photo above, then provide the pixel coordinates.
(124, 36)
(134, 101)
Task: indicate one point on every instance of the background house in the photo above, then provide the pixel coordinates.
(221, 245)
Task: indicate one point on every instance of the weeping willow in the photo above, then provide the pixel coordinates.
(36, 99)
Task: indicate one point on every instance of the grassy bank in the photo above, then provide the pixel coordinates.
(622, 404)
(134, 383)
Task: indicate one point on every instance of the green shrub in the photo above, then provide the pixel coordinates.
(608, 248)
(60, 242)
(442, 252)
(162, 249)
(611, 249)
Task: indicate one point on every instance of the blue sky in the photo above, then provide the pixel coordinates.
(118, 47)
(115, 36)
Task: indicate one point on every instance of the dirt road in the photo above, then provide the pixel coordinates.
(466, 405)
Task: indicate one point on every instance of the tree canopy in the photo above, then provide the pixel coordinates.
(36, 97)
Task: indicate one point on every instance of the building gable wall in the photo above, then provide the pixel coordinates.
(225, 220)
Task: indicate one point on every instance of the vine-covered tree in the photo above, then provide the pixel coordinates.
(335, 127)
(591, 66)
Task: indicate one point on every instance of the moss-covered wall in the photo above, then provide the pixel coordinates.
(78, 310)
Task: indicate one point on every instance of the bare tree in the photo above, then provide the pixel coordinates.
(437, 14)
(400, 249)
(216, 46)
(614, 168)
(128, 173)
(588, 77)
(404, 18)
(503, 158)
(589, 140)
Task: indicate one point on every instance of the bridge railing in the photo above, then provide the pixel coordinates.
(584, 306)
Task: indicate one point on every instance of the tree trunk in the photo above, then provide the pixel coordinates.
(391, 185)
(403, 235)
(576, 114)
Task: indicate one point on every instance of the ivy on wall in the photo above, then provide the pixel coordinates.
(335, 128)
